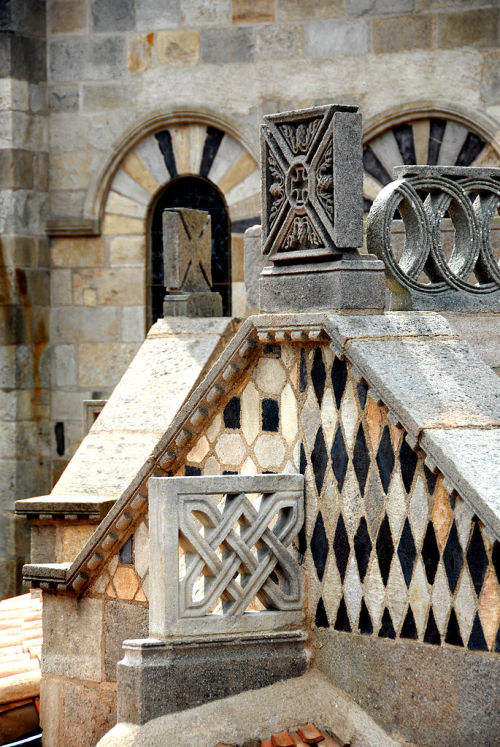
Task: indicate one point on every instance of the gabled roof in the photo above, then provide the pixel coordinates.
(434, 386)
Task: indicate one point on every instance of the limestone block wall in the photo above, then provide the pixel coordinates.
(24, 277)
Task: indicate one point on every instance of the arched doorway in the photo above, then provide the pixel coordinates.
(198, 193)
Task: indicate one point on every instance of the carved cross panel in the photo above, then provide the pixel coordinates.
(312, 184)
(187, 250)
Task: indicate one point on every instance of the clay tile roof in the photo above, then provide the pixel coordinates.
(20, 648)
(305, 735)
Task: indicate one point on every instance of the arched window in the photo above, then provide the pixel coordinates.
(197, 193)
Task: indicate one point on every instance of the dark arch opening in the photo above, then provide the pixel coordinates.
(197, 193)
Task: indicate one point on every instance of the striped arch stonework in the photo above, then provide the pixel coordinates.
(186, 149)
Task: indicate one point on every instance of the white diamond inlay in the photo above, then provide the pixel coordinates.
(310, 418)
(396, 594)
(419, 512)
(374, 593)
(441, 599)
(353, 591)
(396, 505)
(419, 596)
(349, 415)
(328, 417)
(465, 605)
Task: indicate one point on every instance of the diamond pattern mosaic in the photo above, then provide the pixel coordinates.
(385, 549)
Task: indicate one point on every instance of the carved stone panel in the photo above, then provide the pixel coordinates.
(312, 184)
(187, 250)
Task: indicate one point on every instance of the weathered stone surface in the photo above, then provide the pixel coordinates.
(278, 41)
(220, 46)
(474, 28)
(490, 78)
(254, 263)
(112, 287)
(402, 33)
(253, 11)
(157, 677)
(304, 10)
(109, 16)
(121, 620)
(140, 53)
(156, 14)
(379, 7)
(178, 47)
(72, 631)
(328, 38)
(67, 17)
(205, 12)
(103, 364)
(127, 250)
(455, 690)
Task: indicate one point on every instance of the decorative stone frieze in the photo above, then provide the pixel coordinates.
(424, 275)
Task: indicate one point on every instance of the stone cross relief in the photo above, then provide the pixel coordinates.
(187, 250)
(312, 184)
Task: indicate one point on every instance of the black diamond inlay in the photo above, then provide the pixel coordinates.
(362, 394)
(318, 374)
(301, 543)
(497, 642)
(126, 551)
(191, 471)
(319, 546)
(229, 472)
(361, 459)
(432, 634)
(407, 552)
(477, 558)
(232, 413)
(453, 557)
(495, 556)
(341, 547)
(387, 628)
(339, 378)
(302, 371)
(362, 548)
(430, 479)
(270, 414)
(453, 632)
(340, 458)
(408, 460)
(303, 460)
(385, 549)
(385, 458)
(477, 641)
(319, 459)
(365, 624)
(409, 629)
(342, 621)
(321, 618)
(430, 553)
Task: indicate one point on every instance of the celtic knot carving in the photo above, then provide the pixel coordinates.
(304, 153)
(227, 550)
(423, 197)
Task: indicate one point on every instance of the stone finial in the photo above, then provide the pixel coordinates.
(187, 260)
(312, 213)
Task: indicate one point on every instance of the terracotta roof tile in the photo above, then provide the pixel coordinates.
(282, 739)
(305, 735)
(20, 648)
(309, 734)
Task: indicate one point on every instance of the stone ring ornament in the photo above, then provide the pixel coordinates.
(424, 196)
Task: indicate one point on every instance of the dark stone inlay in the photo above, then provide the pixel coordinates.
(472, 147)
(339, 379)
(430, 553)
(365, 624)
(342, 622)
(270, 415)
(59, 434)
(453, 636)
(273, 351)
(408, 460)
(432, 634)
(404, 138)
(232, 413)
(362, 548)
(341, 547)
(240, 226)
(301, 544)
(453, 558)
(319, 459)
(340, 458)
(385, 549)
(497, 642)
(303, 460)
(319, 546)
(387, 628)
(229, 472)
(409, 629)
(436, 133)
(495, 556)
(477, 558)
(212, 141)
(126, 555)
(361, 459)
(372, 165)
(385, 458)
(407, 552)
(165, 142)
(430, 478)
(190, 471)
(302, 371)
(318, 375)
(477, 641)
(321, 618)
(362, 394)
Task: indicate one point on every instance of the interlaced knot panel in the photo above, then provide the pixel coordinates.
(239, 552)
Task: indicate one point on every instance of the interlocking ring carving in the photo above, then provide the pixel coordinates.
(221, 553)
(470, 197)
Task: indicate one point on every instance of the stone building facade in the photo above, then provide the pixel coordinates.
(112, 109)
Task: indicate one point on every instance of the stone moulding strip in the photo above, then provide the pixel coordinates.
(257, 331)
